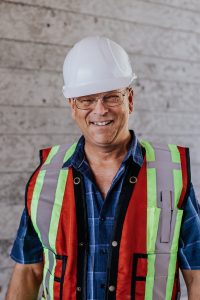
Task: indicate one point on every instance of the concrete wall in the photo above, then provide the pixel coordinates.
(163, 40)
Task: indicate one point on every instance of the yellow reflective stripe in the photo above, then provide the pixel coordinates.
(51, 154)
(178, 184)
(175, 242)
(150, 153)
(35, 198)
(151, 187)
(70, 152)
(174, 153)
(150, 277)
(173, 256)
(153, 214)
(177, 174)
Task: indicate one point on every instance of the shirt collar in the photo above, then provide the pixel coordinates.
(78, 157)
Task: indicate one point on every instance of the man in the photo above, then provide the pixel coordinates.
(106, 218)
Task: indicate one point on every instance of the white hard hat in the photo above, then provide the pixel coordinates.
(94, 65)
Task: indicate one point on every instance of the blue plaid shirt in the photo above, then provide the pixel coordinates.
(28, 249)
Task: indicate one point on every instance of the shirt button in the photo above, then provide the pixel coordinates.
(81, 244)
(111, 288)
(114, 243)
(78, 288)
(102, 218)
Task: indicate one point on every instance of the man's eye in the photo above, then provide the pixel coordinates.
(87, 101)
(112, 98)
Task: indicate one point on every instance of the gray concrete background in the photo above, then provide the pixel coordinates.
(162, 38)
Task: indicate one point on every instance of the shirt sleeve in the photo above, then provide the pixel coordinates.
(27, 248)
(189, 245)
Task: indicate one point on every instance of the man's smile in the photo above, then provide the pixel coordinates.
(101, 123)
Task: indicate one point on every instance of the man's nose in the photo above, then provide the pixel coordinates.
(100, 107)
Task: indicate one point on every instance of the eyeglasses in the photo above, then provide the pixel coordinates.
(110, 99)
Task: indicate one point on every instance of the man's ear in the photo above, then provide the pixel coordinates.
(72, 104)
(131, 98)
(70, 101)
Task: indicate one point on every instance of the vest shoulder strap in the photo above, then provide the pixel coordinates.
(56, 154)
(51, 161)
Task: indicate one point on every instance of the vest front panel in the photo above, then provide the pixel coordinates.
(142, 261)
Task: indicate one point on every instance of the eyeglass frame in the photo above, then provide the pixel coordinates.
(96, 98)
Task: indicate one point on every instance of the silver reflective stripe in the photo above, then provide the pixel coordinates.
(165, 200)
(166, 212)
(49, 273)
(178, 296)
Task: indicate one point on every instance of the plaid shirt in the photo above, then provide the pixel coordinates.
(28, 249)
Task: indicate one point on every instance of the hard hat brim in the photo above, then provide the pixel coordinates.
(97, 87)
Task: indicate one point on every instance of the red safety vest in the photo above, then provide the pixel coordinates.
(142, 260)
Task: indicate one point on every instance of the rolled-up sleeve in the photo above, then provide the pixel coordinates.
(27, 248)
(189, 246)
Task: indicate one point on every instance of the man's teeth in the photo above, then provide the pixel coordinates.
(102, 123)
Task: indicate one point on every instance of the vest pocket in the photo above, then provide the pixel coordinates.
(59, 274)
(139, 273)
(61, 262)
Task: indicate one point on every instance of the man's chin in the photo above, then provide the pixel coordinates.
(102, 142)
(101, 139)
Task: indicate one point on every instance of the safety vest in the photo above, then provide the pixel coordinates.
(142, 261)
